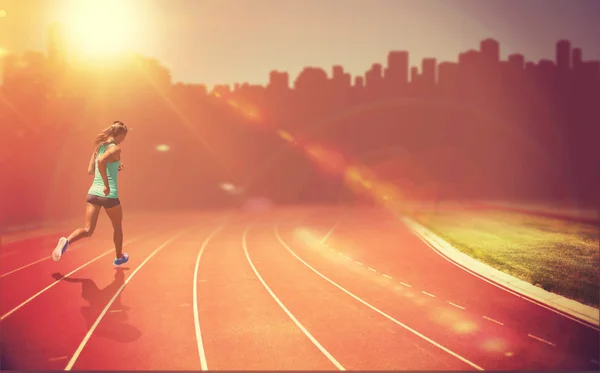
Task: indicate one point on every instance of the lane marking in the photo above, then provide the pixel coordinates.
(594, 361)
(405, 284)
(284, 308)
(492, 320)
(113, 311)
(112, 300)
(426, 293)
(408, 223)
(357, 262)
(202, 355)
(25, 266)
(541, 340)
(57, 281)
(375, 308)
(456, 305)
(384, 275)
(57, 358)
(372, 269)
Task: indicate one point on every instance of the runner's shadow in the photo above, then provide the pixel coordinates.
(114, 323)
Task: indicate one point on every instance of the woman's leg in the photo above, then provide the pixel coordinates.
(115, 214)
(91, 217)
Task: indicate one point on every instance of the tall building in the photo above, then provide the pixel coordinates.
(563, 54)
(279, 80)
(490, 49)
(397, 69)
(428, 67)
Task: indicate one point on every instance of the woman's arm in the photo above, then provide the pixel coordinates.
(92, 165)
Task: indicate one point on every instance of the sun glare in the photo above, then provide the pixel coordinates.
(97, 27)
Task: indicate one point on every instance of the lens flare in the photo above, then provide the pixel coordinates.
(163, 148)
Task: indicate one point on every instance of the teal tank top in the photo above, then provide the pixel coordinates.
(112, 172)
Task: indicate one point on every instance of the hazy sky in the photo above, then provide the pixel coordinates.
(227, 41)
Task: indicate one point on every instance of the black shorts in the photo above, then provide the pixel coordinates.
(103, 201)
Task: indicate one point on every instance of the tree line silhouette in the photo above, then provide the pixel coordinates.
(480, 128)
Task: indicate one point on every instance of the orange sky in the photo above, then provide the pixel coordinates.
(226, 41)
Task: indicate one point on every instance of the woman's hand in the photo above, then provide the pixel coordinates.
(106, 190)
(121, 166)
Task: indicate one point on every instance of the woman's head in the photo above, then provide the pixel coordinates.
(116, 133)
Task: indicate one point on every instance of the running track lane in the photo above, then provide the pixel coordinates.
(44, 334)
(465, 330)
(27, 279)
(157, 305)
(354, 336)
(420, 266)
(242, 327)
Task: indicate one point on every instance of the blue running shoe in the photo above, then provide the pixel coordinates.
(122, 260)
(61, 247)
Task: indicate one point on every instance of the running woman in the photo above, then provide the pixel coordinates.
(105, 165)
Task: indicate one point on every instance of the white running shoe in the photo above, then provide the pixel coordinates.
(60, 249)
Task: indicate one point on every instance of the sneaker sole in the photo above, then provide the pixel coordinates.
(57, 253)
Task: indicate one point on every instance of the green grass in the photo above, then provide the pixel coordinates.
(556, 255)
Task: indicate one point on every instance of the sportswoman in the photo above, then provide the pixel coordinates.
(105, 165)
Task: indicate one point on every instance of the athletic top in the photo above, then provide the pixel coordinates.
(112, 173)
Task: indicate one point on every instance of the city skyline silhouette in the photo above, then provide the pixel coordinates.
(479, 128)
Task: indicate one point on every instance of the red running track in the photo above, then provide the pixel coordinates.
(277, 290)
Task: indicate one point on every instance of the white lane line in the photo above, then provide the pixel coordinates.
(377, 309)
(372, 269)
(357, 262)
(111, 301)
(384, 275)
(541, 340)
(456, 305)
(405, 284)
(426, 293)
(59, 280)
(25, 266)
(492, 320)
(202, 355)
(284, 308)
(113, 311)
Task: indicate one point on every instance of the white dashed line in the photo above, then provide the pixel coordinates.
(384, 275)
(57, 358)
(541, 340)
(426, 293)
(357, 262)
(492, 320)
(405, 284)
(375, 308)
(456, 305)
(113, 311)
(372, 269)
